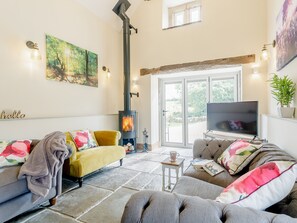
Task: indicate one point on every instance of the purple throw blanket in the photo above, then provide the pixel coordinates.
(44, 163)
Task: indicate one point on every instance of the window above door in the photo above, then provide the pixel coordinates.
(180, 12)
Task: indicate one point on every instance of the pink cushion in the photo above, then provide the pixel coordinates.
(14, 152)
(262, 187)
(83, 139)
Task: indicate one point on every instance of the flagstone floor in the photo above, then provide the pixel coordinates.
(103, 196)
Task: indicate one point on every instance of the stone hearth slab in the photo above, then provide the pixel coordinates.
(111, 209)
(140, 181)
(49, 216)
(111, 179)
(78, 201)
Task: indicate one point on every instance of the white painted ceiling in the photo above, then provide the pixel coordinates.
(103, 9)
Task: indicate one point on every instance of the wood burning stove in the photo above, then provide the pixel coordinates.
(127, 118)
(128, 124)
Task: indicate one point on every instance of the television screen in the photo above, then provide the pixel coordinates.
(234, 117)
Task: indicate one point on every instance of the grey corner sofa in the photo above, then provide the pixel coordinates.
(193, 197)
(15, 197)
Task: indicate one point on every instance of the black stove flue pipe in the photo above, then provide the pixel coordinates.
(120, 9)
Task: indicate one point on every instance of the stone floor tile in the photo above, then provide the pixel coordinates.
(111, 179)
(140, 181)
(155, 184)
(78, 201)
(49, 216)
(111, 209)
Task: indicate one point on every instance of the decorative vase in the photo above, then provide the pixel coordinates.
(286, 112)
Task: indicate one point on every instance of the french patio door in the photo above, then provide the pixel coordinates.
(184, 102)
(183, 111)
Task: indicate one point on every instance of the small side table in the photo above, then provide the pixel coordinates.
(177, 165)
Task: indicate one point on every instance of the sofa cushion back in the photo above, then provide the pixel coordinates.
(107, 137)
(269, 153)
(210, 149)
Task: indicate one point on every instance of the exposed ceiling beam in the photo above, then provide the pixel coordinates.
(200, 65)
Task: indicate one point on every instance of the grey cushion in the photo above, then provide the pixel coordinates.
(193, 187)
(269, 153)
(222, 179)
(13, 190)
(160, 207)
(9, 175)
(10, 186)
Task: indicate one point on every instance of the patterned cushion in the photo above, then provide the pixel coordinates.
(83, 139)
(238, 155)
(261, 187)
(14, 152)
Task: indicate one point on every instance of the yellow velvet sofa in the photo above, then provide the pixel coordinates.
(85, 162)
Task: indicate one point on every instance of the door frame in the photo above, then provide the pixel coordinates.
(184, 80)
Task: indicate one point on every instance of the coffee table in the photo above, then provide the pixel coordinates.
(177, 165)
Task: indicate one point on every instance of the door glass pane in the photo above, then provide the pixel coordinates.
(223, 90)
(196, 107)
(173, 113)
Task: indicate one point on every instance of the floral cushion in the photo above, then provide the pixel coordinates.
(83, 139)
(14, 152)
(262, 187)
(238, 155)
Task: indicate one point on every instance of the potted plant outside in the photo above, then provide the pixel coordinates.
(283, 90)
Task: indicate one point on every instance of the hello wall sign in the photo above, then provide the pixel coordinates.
(12, 115)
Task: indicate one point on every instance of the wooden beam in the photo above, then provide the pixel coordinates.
(200, 65)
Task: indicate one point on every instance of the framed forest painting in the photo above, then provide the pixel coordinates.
(286, 34)
(68, 63)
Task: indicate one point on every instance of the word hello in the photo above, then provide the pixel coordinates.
(13, 115)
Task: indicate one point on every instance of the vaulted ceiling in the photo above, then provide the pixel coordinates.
(103, 9)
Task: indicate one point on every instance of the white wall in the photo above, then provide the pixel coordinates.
(27, 89)
(279, 131)
(274, 7)
(38, 128)
(229, 28)
(23, 85)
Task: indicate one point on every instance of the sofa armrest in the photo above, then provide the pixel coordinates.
(156, 206)
(210, 148)
(73, 148)
(107, 137)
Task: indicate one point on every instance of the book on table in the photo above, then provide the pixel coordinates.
(213, 168)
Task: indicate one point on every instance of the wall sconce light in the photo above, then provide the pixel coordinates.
(265, 54)
(104, 68)
(255, 68)
(35, 54)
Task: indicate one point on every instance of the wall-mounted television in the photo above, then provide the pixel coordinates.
(234, 117)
